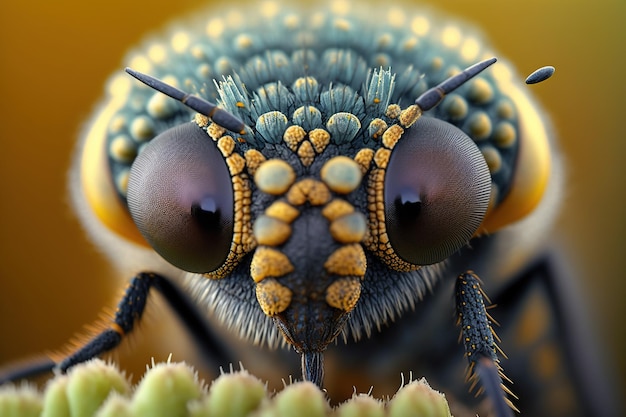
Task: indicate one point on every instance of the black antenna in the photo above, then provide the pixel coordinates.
(430, 98)
(219, 116)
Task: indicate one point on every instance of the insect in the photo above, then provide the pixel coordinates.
(318, 167)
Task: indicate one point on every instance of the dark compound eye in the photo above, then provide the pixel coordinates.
(180, 197)
(437, 190)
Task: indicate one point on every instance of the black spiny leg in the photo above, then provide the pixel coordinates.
(129, 312)
(480, 345)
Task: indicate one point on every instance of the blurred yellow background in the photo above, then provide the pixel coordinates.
(56, 56)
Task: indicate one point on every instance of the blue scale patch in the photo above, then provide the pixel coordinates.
(314, 67)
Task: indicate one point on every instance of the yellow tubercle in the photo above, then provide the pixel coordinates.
(268, 262)
(273, 297)
(344, 293)
(348, 260)
(282, 211)
(337, 208)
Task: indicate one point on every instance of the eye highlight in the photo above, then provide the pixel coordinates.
(180, 197)
(437, 188)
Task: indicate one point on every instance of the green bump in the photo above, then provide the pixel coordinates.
(20, 402)
(303, 399)
(234, 395)
(274, 176)
(172, 389)
(361, 406)
(115, 406)
(165, 391)
(341, 174)
(88, 386)
(418, 399)
(55, 401)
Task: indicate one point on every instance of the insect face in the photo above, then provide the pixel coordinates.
(336, 185)
(329, 204)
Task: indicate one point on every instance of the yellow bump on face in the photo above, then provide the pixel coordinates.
(480, 91)
(293, 136)
(254, 159)
(306, 153)
(342, 174)
(410, 115)
(344, 293)
(160, 106)
(504, 135)
(391, 136)
(505, 109)
(348, 260)
(364, 158)
(319, 139)
(121, 181)
(393, 111)
(381, 157)
(456, 107)
(283, 211)
(215, 131)
(235, 164)
(349, 228)
(274, 176)
(243, 42)
(273, 297)
(268, 262)
(270, 231)
(308, 190)
(142, 128)
(201, 120)
(336, 209)
(492, 157)
(226, 145)
(122, 149)
(377, 127)
(480, 125)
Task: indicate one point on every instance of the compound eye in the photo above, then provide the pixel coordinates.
(437, 188)
(181, 198)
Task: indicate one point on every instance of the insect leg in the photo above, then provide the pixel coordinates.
(27, 369)
(553, 344)
(130, 310)
(480, 345)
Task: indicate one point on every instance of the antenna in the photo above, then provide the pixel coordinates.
(219, 116)
(430, 98)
